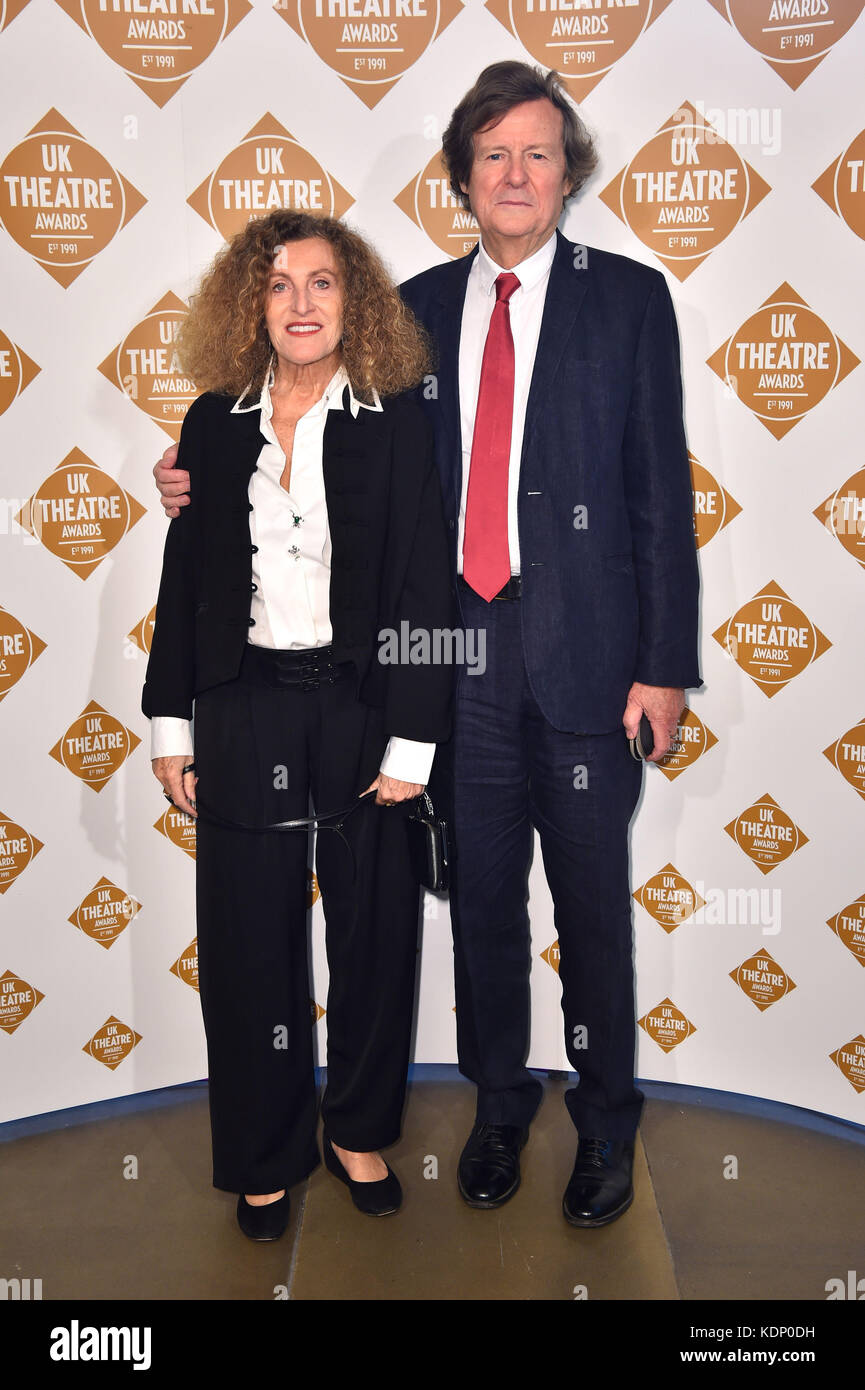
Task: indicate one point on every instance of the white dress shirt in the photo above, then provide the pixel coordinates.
(291, 568)
(526, 312)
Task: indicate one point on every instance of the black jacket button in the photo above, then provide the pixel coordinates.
(252, 622)
(254, 549)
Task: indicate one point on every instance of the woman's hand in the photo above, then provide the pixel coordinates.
(390, 791)
(180, 785)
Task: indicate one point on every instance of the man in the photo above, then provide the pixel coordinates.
(558, 420)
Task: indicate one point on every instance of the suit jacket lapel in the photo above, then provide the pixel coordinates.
(565, 293)
(446, 329)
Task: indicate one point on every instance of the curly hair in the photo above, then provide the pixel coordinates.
(223, 344)
(499, 88)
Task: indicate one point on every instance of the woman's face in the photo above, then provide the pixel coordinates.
(303, 307)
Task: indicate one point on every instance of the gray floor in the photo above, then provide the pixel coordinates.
(789, 1221)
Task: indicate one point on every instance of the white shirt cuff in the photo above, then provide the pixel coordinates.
(406, 760)
(170, 737)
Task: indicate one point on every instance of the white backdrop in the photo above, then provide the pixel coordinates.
(747, 862)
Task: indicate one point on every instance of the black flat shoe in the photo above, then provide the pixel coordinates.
(372, 1198)
(263, 1223)
(601, 1185)
(489, 1167)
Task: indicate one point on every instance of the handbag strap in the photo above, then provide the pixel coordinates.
(330, 820)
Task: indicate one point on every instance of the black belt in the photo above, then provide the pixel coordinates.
(306, 669)
(513, 588)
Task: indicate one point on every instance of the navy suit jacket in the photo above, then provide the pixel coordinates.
(609, 593)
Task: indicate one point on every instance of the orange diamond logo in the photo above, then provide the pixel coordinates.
(586, 46)
(693, 739)
(766, 834)
(783, 361)
(714, 508)
(17, 370)
(369, 56)
(112, 1043)
(762, 979)
(19, 648)
(551, 956)
(146, 369)
(186, 965)
(18, 999)
(268, 169)
(18, 848)
(669, 898)
(685, 191)
(849, 927)
(785, 32)
(666, 1025)
(850, 1060)
(80, 513)
(843, 515)
(431, 205)
(771, 639)
(94, 746)
(179, 828)
(105, 912)
(847, 756)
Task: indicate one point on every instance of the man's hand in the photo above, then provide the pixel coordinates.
(179, 785)
(173, 483)
(390, 790)
(662, 704)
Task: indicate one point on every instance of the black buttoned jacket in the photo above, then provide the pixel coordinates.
(389, 560)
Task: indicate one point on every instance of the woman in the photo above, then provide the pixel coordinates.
(315, 521)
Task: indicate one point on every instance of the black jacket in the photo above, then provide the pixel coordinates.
(389, 560)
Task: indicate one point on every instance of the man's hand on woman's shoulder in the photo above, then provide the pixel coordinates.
(173, 483)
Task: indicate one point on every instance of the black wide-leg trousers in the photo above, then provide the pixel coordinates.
(261, 747)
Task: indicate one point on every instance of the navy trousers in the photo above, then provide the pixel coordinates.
(512, 771)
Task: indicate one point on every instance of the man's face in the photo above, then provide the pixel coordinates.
(517, 181)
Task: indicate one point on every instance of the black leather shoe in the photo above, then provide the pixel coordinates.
(263, 1223)
(372, 1198)
(489, 1167)
(601, 1186)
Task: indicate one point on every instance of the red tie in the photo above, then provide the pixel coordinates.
(486, 562)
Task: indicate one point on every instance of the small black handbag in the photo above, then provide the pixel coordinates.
(642, 746)
(428, 846)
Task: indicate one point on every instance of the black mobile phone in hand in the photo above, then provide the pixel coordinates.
(643, 745)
